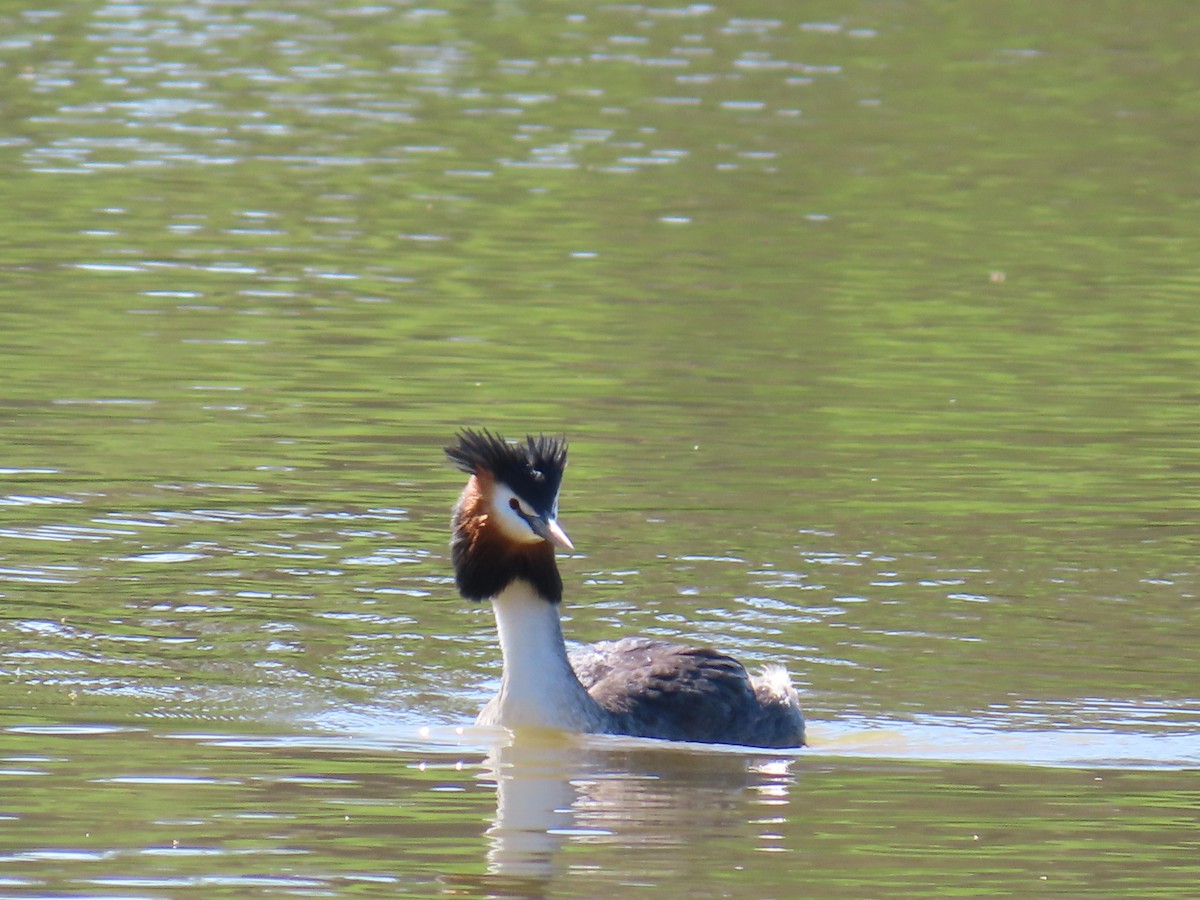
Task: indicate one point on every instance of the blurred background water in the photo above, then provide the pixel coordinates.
(873, 327)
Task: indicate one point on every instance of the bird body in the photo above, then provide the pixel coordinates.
(504, 533)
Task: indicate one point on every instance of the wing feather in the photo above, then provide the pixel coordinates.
(663, 690)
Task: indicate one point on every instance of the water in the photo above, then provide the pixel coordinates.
(873, 331)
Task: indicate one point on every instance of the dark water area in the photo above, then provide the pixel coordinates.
(873, 330)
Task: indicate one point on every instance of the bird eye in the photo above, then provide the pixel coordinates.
(518, 506)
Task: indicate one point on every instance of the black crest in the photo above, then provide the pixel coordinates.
(532, 469)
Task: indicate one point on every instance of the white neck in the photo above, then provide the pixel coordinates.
(539, 688)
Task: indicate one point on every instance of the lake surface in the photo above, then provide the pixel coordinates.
(874, 330)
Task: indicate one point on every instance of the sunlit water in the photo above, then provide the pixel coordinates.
(873, 332)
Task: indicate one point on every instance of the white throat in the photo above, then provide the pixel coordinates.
(539, 688)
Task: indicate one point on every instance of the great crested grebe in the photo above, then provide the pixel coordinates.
(505, 532)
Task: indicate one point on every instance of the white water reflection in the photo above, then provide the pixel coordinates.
(932, 739)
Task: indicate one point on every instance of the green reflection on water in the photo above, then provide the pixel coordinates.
(244, 816)
(873, 329)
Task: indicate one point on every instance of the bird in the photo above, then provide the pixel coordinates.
(504, 534)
